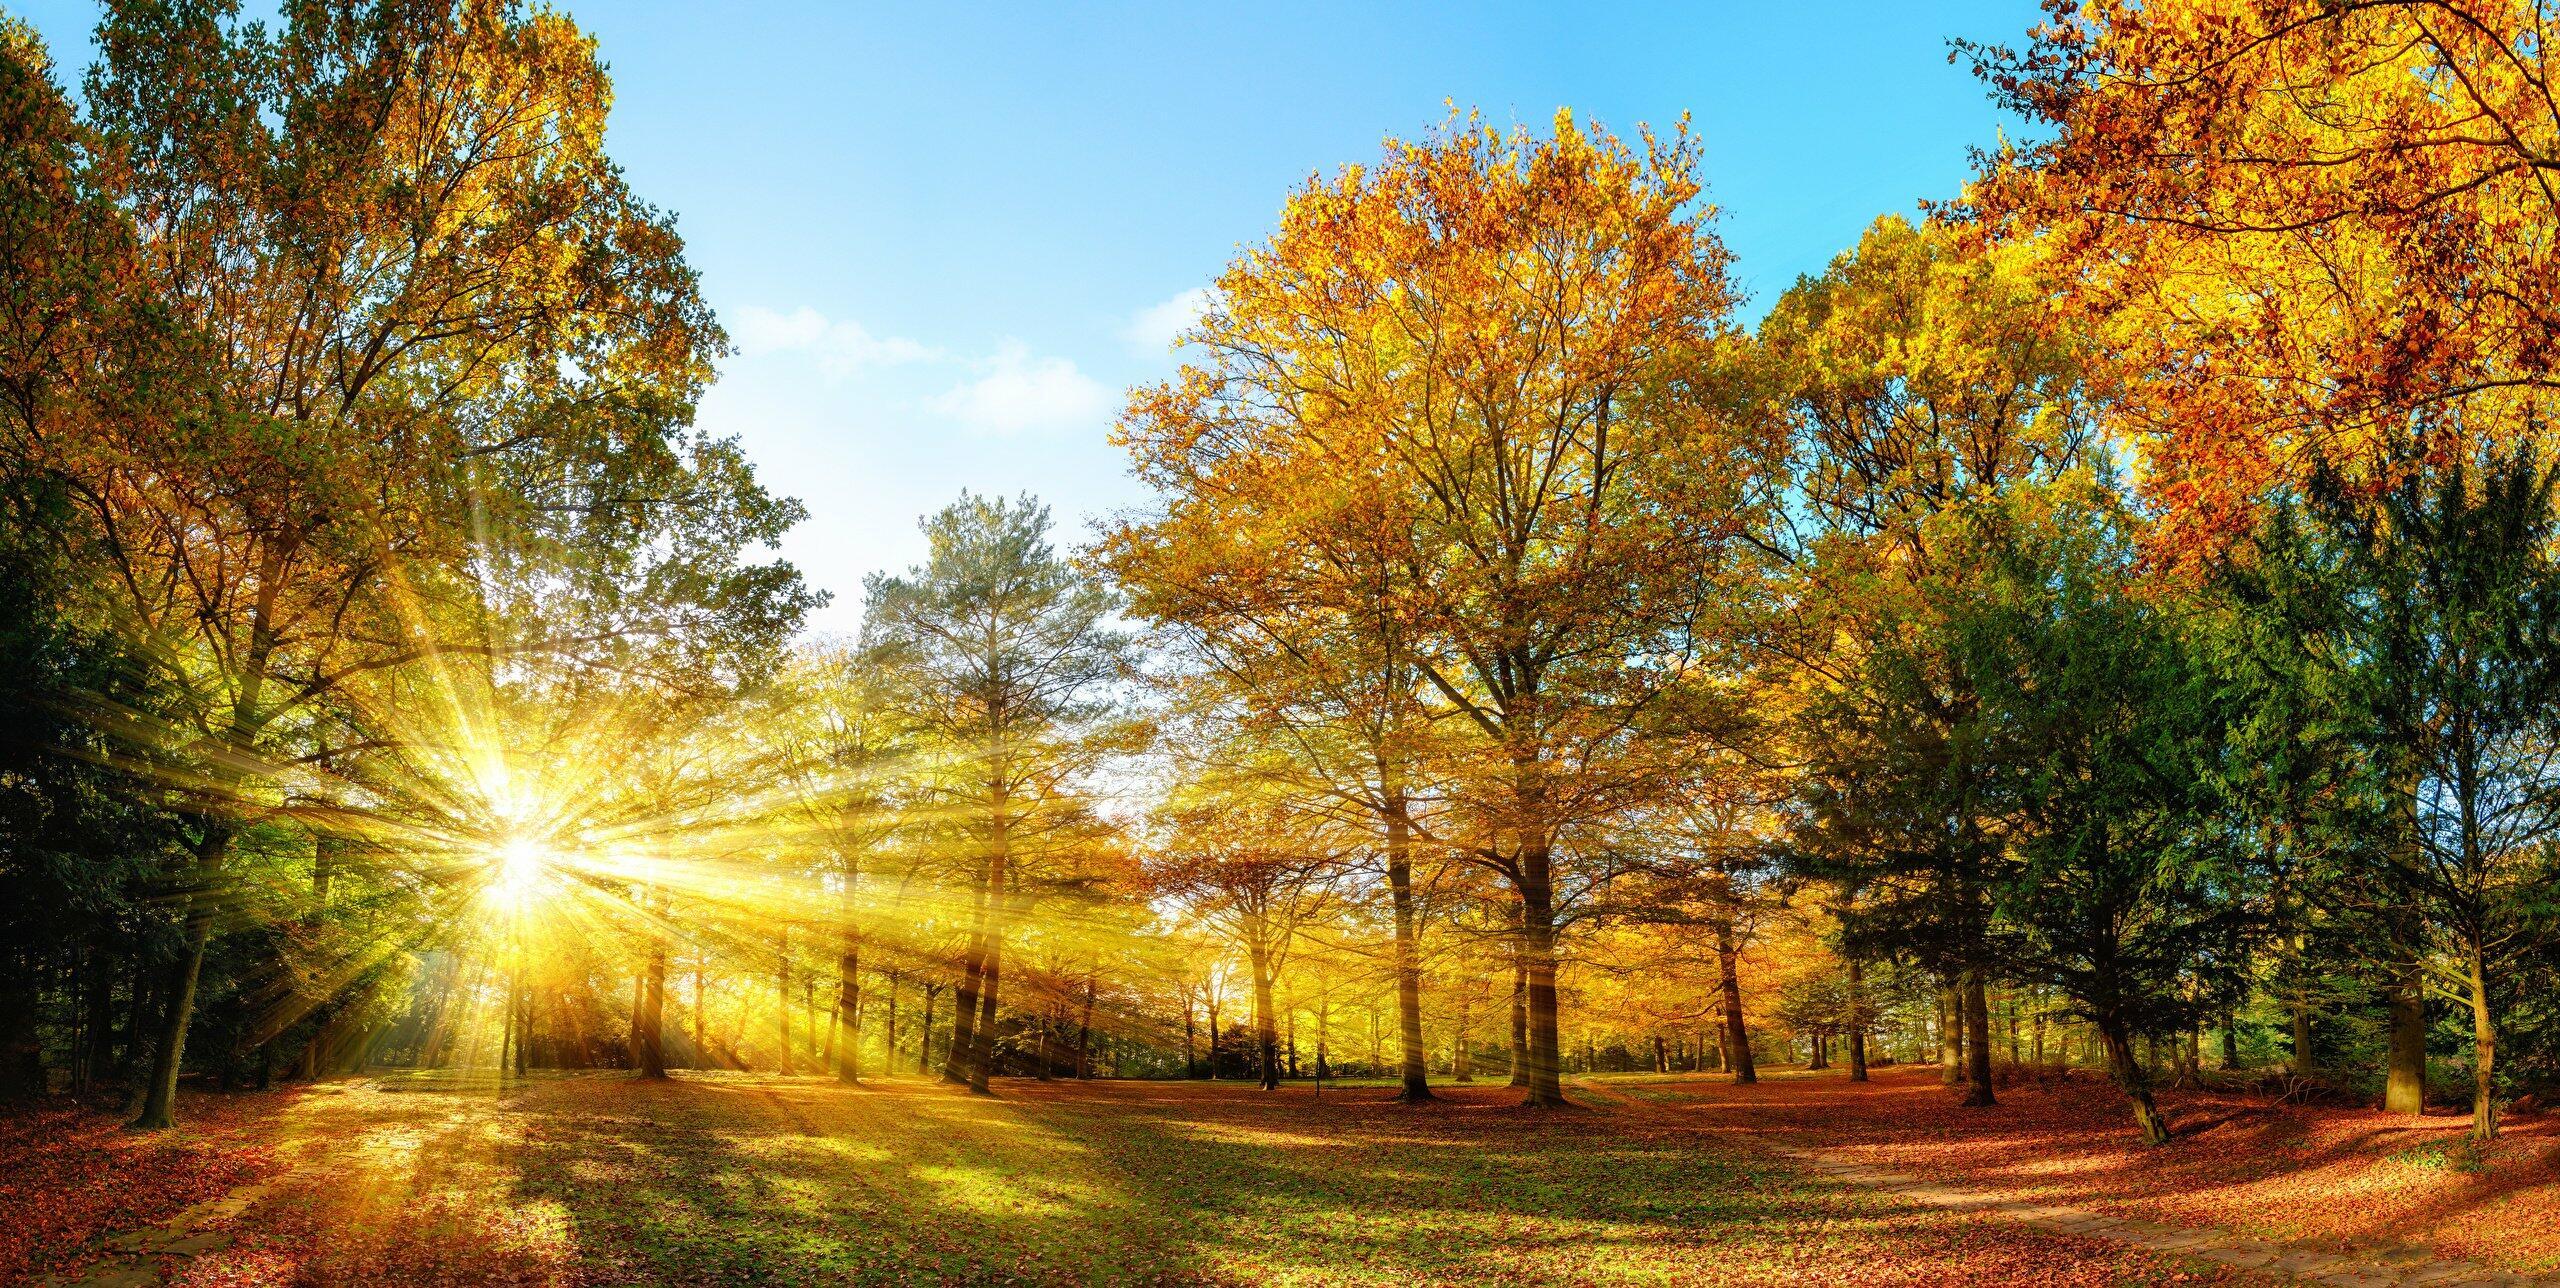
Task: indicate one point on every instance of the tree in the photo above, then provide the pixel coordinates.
(1921, 379)
(1496, 330)
(1004, 658)
(2312, 228)
(1257, 872)
(1293, 607)
(435, 358)
(2107, 738)
(2432, 613)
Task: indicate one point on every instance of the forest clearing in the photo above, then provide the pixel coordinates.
(730, 1178)
(810, 643)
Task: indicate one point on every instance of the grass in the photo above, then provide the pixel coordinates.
(755, 1179)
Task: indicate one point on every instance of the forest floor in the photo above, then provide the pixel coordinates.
(732, 1178)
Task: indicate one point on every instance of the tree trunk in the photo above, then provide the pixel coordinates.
(1977, 1034)
(1737, 1034)
(1537, 909)
(2484, 1053)
(982, 1051)
(160, 1094)
(1857, 1021)
(982, 1056)
(649, 1029)
(2135, 1084)
(1265, 1031)
(2404, 1089)
(848, 1031)
(1408, 954)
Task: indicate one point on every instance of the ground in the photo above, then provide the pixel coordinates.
(600, 1179)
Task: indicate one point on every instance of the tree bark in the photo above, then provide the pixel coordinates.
(1417, 1072)
(2404, 1088)
(649, 1030)
(2484, 1053)
(160, 1093)
(982, 1052)
(848, 1031)
(1265, 1029)
(1737, 1034)
(1857, 1021)
(2136, 1085)
(1537, 907)
(1977, 1028)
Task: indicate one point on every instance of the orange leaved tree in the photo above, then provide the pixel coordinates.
(1512, 343)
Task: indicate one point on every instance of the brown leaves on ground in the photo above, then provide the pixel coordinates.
(597, 1179)
(2347, 1177)
(71, 1175)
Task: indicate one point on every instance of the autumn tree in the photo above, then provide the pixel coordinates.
(1507, 337)
(1004, 659)
(2311, 230)
(435, 358)
(1257, 872)
(1922, 378)
(1290, 610)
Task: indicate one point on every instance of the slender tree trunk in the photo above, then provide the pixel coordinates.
(1265, 1028)
(1190, 1041)
(982, 1051)
(1408, 954)
(650, 1029)
(1537, 905)
(2484, 1053)
(1737, 1034)
(160, 1094)
(1857, 1021)
(982, 1056)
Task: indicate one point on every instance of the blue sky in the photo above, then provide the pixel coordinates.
(945, 237)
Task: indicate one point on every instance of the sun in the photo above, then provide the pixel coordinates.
(519, 870)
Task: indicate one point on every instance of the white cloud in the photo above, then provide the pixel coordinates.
(1021, 393)
(841, 347)
(1154, 328)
